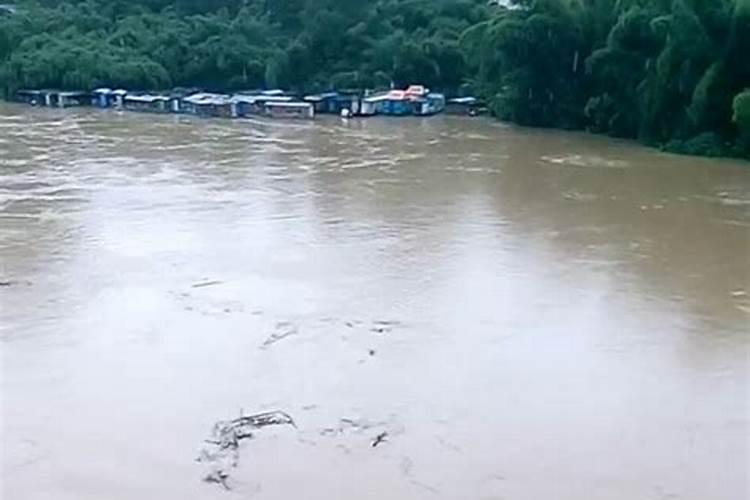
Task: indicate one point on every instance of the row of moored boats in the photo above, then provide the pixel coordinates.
(416, 100)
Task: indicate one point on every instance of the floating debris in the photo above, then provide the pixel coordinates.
(205, 305)
(218, 476)
(226, 435)
(284, 329)
(7, 283)
(376, 326)
(344, 425)
(204, 284)
(386, 322)
(380, 438)
(357, 426)
(383, 326)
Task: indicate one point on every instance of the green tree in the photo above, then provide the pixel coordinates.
(741, 117)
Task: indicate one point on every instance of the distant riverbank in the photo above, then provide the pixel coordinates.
(541, 130)
(668, 74)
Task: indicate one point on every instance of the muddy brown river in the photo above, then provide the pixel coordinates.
(520, 314)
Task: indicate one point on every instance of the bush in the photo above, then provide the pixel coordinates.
(742, 120)
(705, 144)
(742, 110)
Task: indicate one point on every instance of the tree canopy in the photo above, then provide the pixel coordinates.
(228, 44)
(674, 73)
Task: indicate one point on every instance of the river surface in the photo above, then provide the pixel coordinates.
(527, 314)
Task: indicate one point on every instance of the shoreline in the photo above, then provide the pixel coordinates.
(745, 162)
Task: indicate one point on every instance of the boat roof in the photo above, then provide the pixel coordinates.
(404, 95)
(147, 98)
(252, 99)
(320, 97)
(208, 99)
(102, 90)
(418, 90)
(295, 104)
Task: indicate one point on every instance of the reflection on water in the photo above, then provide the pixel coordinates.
(527, 314)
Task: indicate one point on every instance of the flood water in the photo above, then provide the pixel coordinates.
(527, 314)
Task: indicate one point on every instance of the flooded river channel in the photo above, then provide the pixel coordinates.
(519, 314)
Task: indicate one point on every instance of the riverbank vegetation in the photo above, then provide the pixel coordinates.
(671, 73)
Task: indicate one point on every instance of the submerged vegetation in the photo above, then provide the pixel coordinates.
(671, 73)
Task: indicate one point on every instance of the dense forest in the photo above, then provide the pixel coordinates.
(671, 73)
